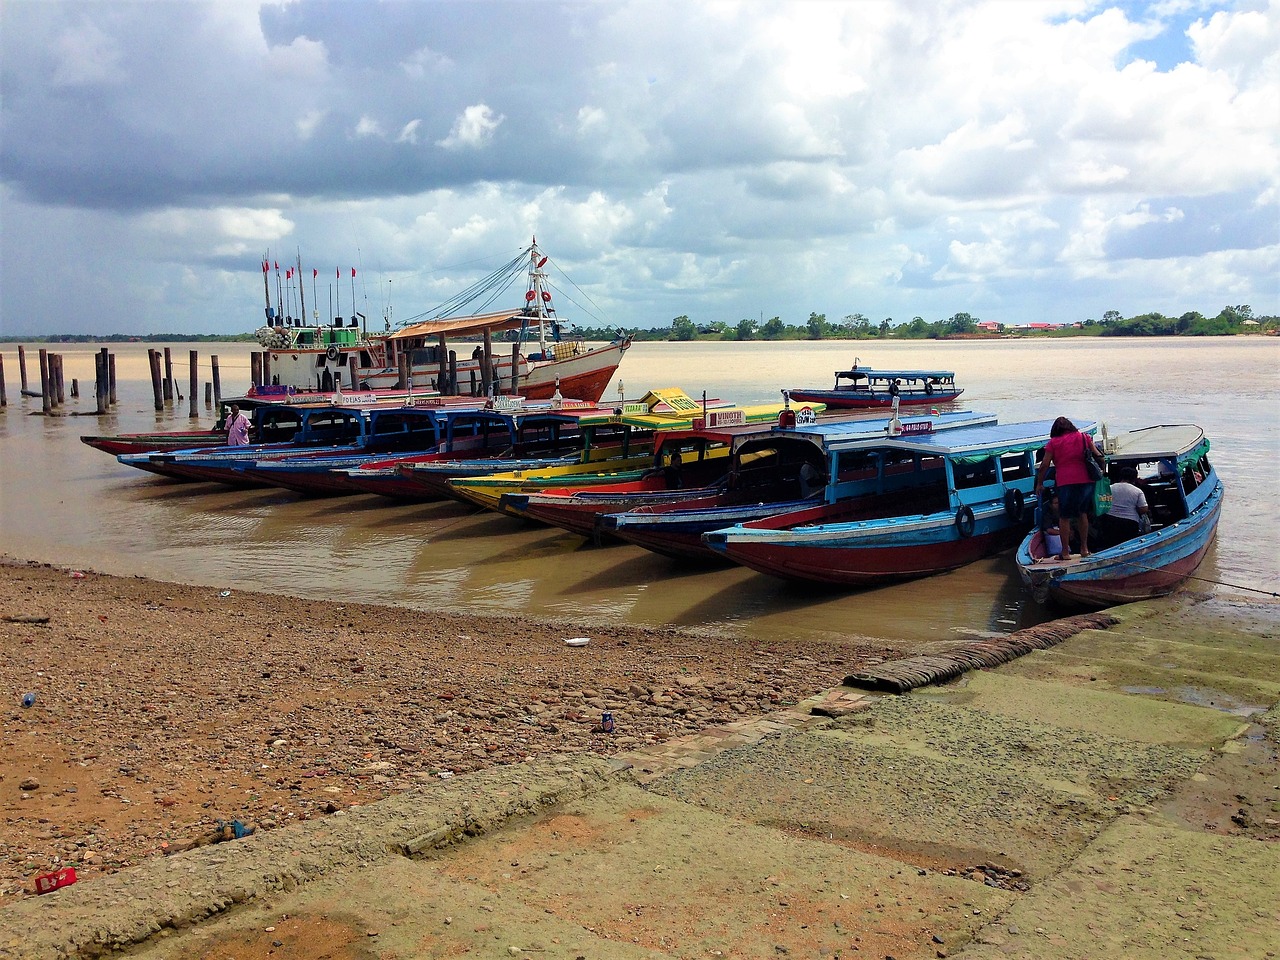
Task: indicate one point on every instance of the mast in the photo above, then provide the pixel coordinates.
(538, 296)
(266, 285)
(302, 296)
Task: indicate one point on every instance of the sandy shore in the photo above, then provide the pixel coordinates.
(163, 710)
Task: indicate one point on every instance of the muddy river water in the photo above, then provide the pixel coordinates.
(63, 502)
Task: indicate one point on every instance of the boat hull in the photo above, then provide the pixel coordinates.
(150, 442)
(865, 554)
(1152, 565)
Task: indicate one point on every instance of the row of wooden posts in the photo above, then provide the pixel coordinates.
(52, 384)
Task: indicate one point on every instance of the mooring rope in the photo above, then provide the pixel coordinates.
(1220, 583)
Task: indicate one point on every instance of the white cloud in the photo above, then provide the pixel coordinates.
(473, 129)
(409, 132)
(368, 127)
(85, 56)
(306, 124)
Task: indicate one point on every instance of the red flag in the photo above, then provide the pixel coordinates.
(288, 274)
(353, 273)
(314, 273)
(265, 266)
(337, 273)
(277, 266)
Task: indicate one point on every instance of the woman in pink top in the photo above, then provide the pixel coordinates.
(1066, 452)
(237, 427)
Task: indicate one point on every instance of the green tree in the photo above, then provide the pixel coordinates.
(746, 329)
(682, 328)
(886, 327)
(817, 326)
(773, 329)
(1112, 316)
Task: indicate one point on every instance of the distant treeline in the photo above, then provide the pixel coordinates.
(130, 338)
(1230, 320)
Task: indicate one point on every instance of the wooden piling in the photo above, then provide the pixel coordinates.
(193, 383)
(44, 379)
(453, 372)
(75, 388)
(22, 367)
(515, 368)
(486, 362)
(474, 375)
(168, 374)
(153, 360)
(59, 384)
(109, 361)
(217, 382)
(100, 382)
(355, 376)
(255, 368)
(4, 397)
(208, 394)
(442, 381)
(266, 366)
(402, 371)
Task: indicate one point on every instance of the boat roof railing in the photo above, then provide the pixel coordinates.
(837, 434)
(984, 440)
(897, 374)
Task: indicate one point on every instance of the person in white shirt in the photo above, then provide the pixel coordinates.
(1128, 507)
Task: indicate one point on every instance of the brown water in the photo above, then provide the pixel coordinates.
(66, 503)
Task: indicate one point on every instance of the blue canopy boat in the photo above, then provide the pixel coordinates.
(781, 472)
(867, 389)
(1184, 499)
(912, 506)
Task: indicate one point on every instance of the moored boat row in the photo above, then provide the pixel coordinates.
(836, 499)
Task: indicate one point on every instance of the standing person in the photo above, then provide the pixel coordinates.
(1066, 452)
(673, 472)
(1128, 506)
(237, 427)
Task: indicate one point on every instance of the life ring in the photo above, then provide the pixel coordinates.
(333, 352)
(1014, 503)
(964, 522)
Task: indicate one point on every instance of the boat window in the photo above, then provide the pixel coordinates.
(1190, 479)
(970, 475)
(857, 465)
(898, 462)
(420, 356)
(1015, 466)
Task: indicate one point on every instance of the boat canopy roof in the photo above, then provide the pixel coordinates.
(975, 443)
(462, 326)
(1183, 441)
(897, 374)
(837, 433)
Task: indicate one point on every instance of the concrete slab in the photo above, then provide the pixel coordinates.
(1148, 891)
(1075, 707)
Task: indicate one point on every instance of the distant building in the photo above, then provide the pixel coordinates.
(1036, 327)
(990, 326)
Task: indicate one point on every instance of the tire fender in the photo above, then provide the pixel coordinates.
(964, 522)
(1014, 505)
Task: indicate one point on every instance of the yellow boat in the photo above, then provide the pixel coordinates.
(679, 424)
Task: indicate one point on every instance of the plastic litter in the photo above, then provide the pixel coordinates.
(28, 699)
(47, 882)
(606, 722)
(225, 593)
(76, 575)
(577, 641)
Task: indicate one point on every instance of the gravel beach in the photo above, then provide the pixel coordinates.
(165, 713)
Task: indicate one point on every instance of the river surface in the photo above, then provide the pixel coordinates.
(63, 502)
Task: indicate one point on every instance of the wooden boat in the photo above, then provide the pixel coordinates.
(766, 480)
(576, 508)
(868, 389)
(270, 423)
(148, 442)
(319, 429)
(1184, 496)
(914, 505)
(458, 433)
(644, 418)
(538, 361)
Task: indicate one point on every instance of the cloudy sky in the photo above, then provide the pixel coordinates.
(1015, 160)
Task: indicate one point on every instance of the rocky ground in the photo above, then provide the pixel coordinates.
(164, 714)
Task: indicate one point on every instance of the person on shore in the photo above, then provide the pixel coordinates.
(1066, 452)
(1128, 506)
(237, 427)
